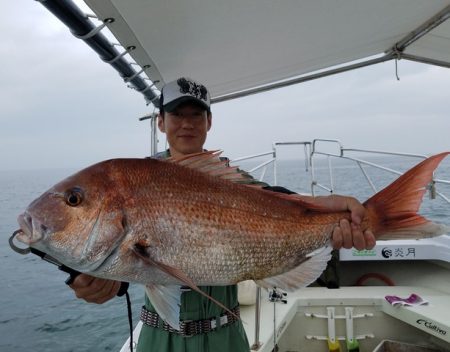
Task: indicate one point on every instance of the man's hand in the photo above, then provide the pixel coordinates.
(348, 234)
(95, 290)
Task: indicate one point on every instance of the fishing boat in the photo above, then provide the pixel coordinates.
(240, 48)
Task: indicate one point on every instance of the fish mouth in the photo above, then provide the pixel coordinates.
(32, 230)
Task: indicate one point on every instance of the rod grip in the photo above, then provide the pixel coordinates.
(74, 273)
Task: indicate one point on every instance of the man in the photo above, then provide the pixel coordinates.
(185, 117)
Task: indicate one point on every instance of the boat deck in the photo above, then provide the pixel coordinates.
(299, 327)
(311, 303)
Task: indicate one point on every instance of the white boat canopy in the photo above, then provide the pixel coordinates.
(240, 47)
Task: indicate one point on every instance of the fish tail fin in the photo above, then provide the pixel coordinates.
(392, 212)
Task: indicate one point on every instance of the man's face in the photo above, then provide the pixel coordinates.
(186, 128)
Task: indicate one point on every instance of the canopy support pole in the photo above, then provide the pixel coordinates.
(82, 27)
(425, 28)
(302, 79)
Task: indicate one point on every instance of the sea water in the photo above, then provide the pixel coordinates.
(38, 312)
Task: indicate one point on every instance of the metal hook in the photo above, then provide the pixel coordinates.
(14, 247)
(127, 51)
(396, 69)
(128, 79)
(95, 30)
(397, 56)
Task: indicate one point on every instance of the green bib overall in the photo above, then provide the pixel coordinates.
(229, 338)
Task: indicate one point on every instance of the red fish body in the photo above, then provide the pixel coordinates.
(192, 221)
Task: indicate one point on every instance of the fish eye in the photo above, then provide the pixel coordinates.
(74, 197)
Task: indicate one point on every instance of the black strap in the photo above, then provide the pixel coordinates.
(130, 318)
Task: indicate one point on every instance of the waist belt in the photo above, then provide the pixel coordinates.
(190, 328)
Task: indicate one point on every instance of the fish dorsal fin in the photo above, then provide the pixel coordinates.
(167, 301)
(210, 163)
(303, 275)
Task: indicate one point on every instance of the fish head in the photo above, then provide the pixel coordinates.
(79, 221)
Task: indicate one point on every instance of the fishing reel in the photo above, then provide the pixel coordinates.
(276, 295)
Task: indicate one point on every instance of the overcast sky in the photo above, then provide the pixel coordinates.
(63, 107)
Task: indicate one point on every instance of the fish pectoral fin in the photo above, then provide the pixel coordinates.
(303, 275)
(181, 276)
(140, 250)
(167, 301)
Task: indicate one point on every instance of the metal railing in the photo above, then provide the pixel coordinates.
(342, 154)
(311, 152)
(273, 160)
(263, 165)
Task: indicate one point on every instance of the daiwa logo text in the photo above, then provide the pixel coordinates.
(430, 325)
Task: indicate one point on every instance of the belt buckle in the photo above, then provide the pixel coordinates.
(223, 320)
(183, 327)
